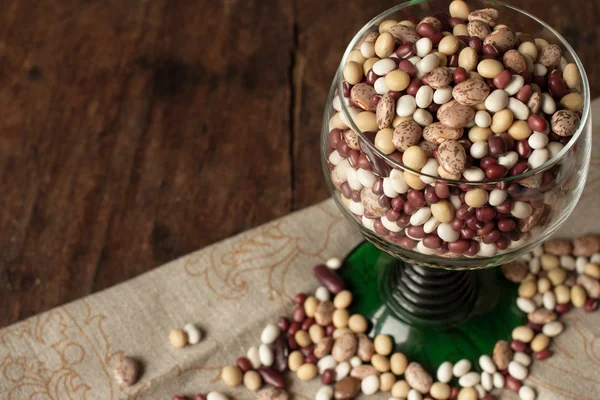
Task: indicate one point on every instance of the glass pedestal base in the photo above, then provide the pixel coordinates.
(433, 315)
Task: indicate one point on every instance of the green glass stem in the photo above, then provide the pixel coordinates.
(433, 315)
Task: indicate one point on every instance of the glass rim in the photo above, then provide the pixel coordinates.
(394, 164)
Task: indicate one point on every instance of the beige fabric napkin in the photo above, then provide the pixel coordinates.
(231, 289)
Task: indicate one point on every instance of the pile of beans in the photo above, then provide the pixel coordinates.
(456, 96)
(322, 339)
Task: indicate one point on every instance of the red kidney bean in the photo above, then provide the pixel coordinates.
(294, 327)
(334, 137)
(244, 364)
(284, 324)
(199, 396)
(403, 221)
(557, 87)
(467, 233)
(392, 214)
(432, 241)
(465, 212)
(299, 314)
(396, 96)
(502, 243)
(487, 161)
(343, 148)
(485, 214)
(487, 228)
(178, 397)
(363, 162)
(474, 223)
(430, 196)
(490, 50)
(425, 29)
(408, 67)
(453, 62)
(329, 329)
(459, 246)
(272, 377)
(506, 225)
(459, 75)
(409, 208)
(562, 308)
(328, 278)
(328, 376)
(457, 224)
(496, 145)
(353, 158)
(416, 231)
(519, 168)
(526, 76)
(372, 77)
(513, 189)
(442, 190)
(292, 344)
(375, 99)
(407, 243)
(555, 73)
(405, 51)
(502, 79)
(476, 44)
(455, 21)
(495, 171)
(377, 187)
(300, 298)
(464, 39)
(473, 248)
(281, 353)
(355, 196)
(512, 384)
(346, 190)
(413, 87)
(310, 359)
(510, 142)
(436, 38)
(347, 88)
(443, 249)
(505, 207)
(396, 156)
(591, 305)
(307, 323)
(397, 202)
(536, 327)
(525, 93)
(380, 229)
(517, 345)
(523, 148)
(433, 109)
(542, 355)
(306, 351)
(384, 201)
(454, 393)
(416, 198)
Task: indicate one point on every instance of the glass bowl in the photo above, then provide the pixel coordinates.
(372, 187)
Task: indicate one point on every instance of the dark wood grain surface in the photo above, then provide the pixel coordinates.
(135, 132)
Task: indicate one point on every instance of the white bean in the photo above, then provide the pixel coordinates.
(382, 67)
(474, 174)
(447, 234)
(367, 49)
(444, 372)
(497, 197)
(552, 329)
(461, 367)
(443, 95)
(469, 379)
(509, 160)
(423, 46)
(391, 226)
(487, 381)
(356, 207)
(327, 362)
(549, 300)
(271, 332)
(369, 223)
(498, 380)
(497, 100)
(324, 392)
(525, 305)
(527, 393)
(266, 355)
(370, 385)
(355, 361)
(414, 395)
(380, 86)
(534, 265)
(480, 391)
(335, 158)
(414, 60)
(548, 105)
(322, 294)
(554, 148)
(538, 140)
(333, 263)
(398, 182)
(428, 64)
(518, 108)
(421, 248)
(194, 334)
(337, 103)
(424, 96)
(515, 84)
(522, 358)
(455, 201)
(423, 117)
(479, 150)
(487, 364)
(595, 259)
(580, 264)
(483, 119)
(406, 105)
(517, 370)
(388, 188)
(521, 209)
(253, 356)
(430, 168)
(216, 396)
(431, 225)
(538, 158)
(366, 177)
(352, 178)
(567, 262)
(342, 370)
(487, 250)
(539, 70)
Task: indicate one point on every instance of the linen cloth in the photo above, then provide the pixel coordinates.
(231, 290)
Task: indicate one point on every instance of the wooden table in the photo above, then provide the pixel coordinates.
(134, 132)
